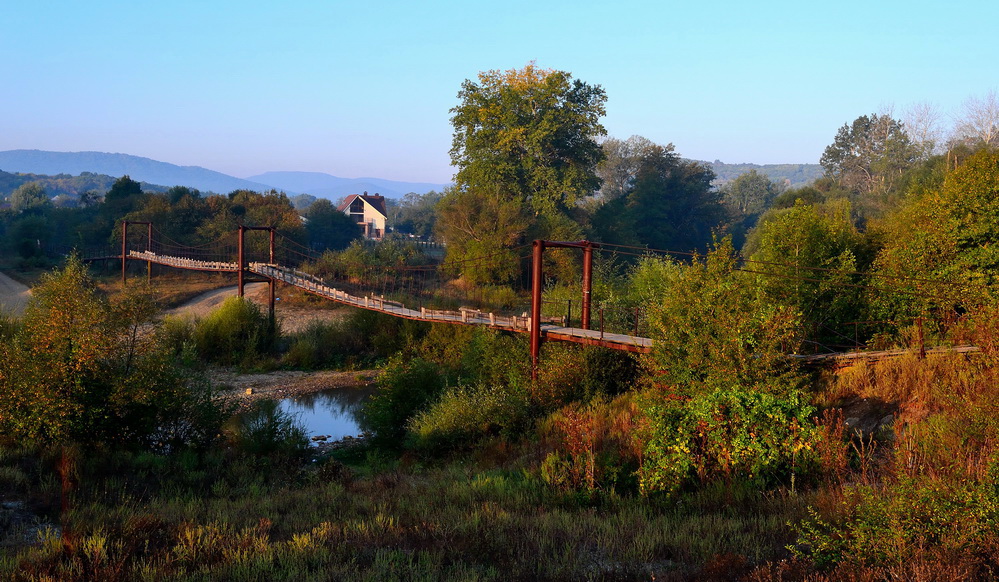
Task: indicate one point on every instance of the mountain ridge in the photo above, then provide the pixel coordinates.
(330, 186)
(116, 164)
(319, 184)
(142, 169)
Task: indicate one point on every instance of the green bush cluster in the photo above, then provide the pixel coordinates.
(911, 519)
(734, 434)
(324, 345)
(405, 387)
(465, 414)
(235, 333)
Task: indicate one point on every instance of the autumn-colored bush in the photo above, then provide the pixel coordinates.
(79, 370)
(735, 434)
(903, 521)
(595, 446)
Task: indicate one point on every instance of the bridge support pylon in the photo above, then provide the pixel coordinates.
(243, 267)
(537, 274)
(124, 248)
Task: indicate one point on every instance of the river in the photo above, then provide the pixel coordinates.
(331, 413)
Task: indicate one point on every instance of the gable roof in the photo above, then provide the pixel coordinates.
(376, 201)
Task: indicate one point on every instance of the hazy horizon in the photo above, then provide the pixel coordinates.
(365, 90)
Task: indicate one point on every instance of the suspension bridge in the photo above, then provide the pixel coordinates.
(404, 288)
(425, 292)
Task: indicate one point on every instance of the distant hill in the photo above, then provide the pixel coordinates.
(117, 165)
(66, 184)
(797, 174)
(332, 187)
(154, 172)
(64, 165)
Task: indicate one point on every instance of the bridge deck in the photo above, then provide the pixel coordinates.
(513, 323)
(321, 288)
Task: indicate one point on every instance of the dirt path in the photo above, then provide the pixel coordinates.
(292, 319)
(13, 296)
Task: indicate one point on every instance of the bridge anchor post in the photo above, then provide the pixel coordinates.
(124, 251)
(535, 321)
(242, 265)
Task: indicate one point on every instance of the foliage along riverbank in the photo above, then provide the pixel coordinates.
(600, 470)
(715, 456)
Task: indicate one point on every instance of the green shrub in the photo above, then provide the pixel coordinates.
(570, 372)
(176, 335)
(359, 338)
(732, 434)
(404, 389)
(235, 333)
(904, 521)
(475, 354)
(325, 344)
(465, 414)
(712, 328)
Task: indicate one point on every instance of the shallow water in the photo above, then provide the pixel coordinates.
(333, 413)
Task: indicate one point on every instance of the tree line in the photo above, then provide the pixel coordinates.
(35, 231)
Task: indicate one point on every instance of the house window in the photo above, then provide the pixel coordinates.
(357, 206)
(357, 217)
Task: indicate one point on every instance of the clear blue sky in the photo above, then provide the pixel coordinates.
(364, 88)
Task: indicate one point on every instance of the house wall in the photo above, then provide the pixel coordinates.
(375, 220)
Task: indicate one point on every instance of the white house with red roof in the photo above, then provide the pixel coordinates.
(368, 212)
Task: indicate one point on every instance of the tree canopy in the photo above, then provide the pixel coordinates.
(869, 154)
(657, 199)
(529, 134)
(526, 152)
(328, 228)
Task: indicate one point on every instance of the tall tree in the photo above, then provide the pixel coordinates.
(922, 124)
(416, 214)
(806, 257)
(480, 224)
(123, 188)
(870, 154)
(328, 228)
(29, 197)
(530, 134)
(949, 234)
(618, 169)
(751, 193)
(978, 124)
(526, 151)
(668, 202)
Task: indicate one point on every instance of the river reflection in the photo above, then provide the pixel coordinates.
(331, 412)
